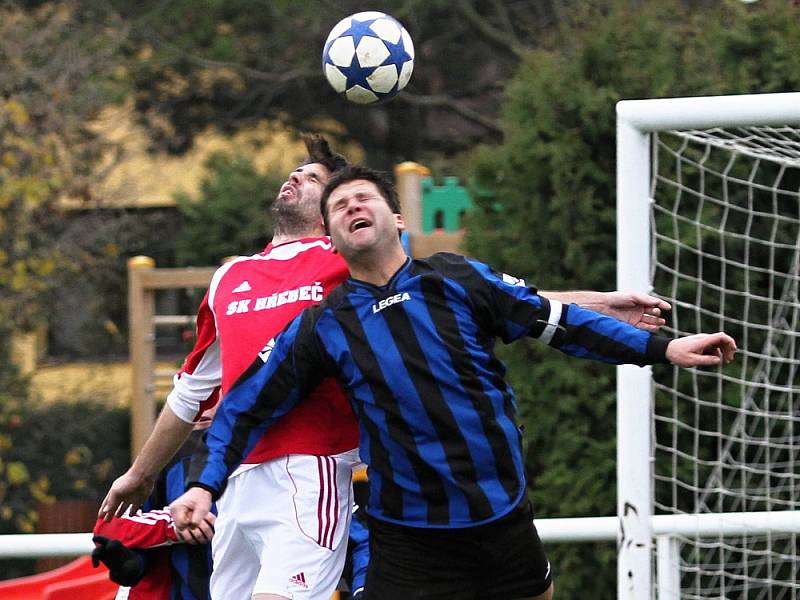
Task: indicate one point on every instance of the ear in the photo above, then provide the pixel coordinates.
(398, 219)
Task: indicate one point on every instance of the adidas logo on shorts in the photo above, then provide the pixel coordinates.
(299, 579)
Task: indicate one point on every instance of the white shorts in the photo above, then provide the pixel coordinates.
(283, 528)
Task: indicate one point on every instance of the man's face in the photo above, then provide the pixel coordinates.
(360, 219)
(298, 199)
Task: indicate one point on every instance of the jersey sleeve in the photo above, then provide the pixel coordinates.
(514, 310)
(196, 385)
(359, 551)
(141, 530)
(285, 371)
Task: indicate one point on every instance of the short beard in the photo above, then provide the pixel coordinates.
(288, 221)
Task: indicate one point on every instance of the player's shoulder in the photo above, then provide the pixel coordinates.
(314, 256)
(333, 301)
(318, 251)
(319, 246)
(234, 263)
(446, 263)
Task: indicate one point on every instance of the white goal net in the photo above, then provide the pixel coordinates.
(726, 255)
(724, 250)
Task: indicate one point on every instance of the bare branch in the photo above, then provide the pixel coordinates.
(441, 101)
(502, 10)
(280, 77)
(490, 33)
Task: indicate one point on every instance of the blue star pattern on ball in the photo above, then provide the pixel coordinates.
(398, 54)
(368, 57)
(358, 30)
(356, 74)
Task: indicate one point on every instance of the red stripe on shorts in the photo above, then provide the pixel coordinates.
(320, 500)
(328, 503)
(334, 471)
(326, 541)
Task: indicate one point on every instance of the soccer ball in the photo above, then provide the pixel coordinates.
(368, 57)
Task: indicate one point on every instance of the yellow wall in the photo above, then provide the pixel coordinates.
(130, 176)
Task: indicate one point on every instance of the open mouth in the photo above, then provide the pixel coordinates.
(359, 224)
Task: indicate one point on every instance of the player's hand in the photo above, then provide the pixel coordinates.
(190, 514)
(125, 567)
(640, 310)
(129, 491)
(197, 536)
(702, 350)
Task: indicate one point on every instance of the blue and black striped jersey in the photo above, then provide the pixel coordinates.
(416, 358)
(191, 564)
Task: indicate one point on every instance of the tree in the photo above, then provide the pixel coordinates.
(56, 73)
(230, 217)
(545, 210)
(231, 63)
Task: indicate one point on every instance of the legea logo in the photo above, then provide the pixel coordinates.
(387, 302)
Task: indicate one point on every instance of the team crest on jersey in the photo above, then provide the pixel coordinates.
(387, 302)
(511, 280)
(266, 350)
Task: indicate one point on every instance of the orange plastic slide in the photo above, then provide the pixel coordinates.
(77, 579)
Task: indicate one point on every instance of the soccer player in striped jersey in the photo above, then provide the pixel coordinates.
(411, 342)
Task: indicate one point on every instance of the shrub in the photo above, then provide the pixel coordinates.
(64, 451)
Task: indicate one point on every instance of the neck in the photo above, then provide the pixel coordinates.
(375, 267)
(282, 236)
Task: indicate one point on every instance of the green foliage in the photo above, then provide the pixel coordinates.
(231, 215)
(52, 81)
(64, 451)
(545, 210)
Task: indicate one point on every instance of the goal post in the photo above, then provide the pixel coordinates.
(708, 217)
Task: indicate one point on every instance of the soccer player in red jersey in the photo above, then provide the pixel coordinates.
(283, 526)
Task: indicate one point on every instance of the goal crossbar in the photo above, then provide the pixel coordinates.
(703, 112)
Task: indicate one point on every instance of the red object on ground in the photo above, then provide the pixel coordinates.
(77, 579)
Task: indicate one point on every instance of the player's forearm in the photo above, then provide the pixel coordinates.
(168, 436)
(586, 333)
(592, 300)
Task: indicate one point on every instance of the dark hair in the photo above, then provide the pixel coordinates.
(357, 172)
(319, 151)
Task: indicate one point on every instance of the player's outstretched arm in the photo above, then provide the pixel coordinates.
(192, 515)
(701, 350)
(131, 489)
(640, 310)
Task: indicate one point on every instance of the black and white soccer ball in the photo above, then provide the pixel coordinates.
(368, 57)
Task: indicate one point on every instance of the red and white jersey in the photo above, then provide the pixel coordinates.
(141, 530)
(250, 300)
(155, 531)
